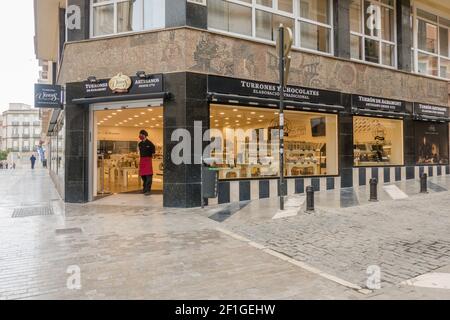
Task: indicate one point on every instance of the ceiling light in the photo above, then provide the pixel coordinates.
(159, 116)
(235, 110)
(259, 120)
(136, 116)
(253, 112)
(130, 119)
(147, 121)
(261, 116)
(150, 110)
(153, 119)
(114, 114)
(109, 117)
(222, 113)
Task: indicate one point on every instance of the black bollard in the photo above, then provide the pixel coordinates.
(373, 190)
(423, 183)
(309, 198)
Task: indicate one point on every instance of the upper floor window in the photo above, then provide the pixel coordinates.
(121, 16)
(310, 20)
(372, 27)
(432, 50)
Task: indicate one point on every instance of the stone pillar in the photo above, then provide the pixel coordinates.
(182, 183)
(404, 35)
(182, 13)
(341, 28)
(76, 148)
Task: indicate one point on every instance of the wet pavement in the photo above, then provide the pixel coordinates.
(129, 247)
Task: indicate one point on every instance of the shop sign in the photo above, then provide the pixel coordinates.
(123, 85)
(380, 104)
(421, 109)
(120, 83)
(257, 89)
(47, 96)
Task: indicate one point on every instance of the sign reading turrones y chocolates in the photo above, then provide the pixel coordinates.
(266, 90)
(123, 85)
(379, 104)
(47, 96)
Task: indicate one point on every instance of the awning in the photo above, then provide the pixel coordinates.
(54, 121)
(159, 95)
(273, 103)
(379, 113)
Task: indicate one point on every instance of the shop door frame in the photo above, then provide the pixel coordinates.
(109, 106)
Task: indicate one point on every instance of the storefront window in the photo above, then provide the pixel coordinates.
(433, 51)
(377, 142)
(431, 143)
(246, 143)
(310, 21)
(372, 25)
(120, 16)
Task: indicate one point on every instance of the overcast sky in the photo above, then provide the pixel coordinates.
(18, 64)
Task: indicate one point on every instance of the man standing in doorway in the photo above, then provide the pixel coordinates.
(33, 161)
(147, 150)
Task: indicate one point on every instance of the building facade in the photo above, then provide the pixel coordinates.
(21, 131)
(368, 93)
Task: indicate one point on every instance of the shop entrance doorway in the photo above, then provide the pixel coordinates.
(115, 154)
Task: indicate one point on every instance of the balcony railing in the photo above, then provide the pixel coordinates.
(25, 149)
(15, 135)
(36, 135)
(26, 135)
(15, 123)
(37, 123)
(26, 124)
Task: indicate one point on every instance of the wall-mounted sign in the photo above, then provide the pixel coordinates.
(120, 83)
(250, 88)
(379, 104)
(123, 85)
(47, 96)
(421, 109)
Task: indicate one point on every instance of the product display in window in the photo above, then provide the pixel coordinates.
(377, 141)
(310, 143)
(431, 143)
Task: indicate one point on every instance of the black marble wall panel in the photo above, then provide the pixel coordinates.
(404, 35)
(409, 142)
(341, 28)
(181, 13)
(187, 106)
(82, 33)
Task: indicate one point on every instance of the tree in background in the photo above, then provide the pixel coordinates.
(3, 155)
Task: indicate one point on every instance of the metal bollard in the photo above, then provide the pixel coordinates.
(373, 190)
(309, 198)
(423, 183)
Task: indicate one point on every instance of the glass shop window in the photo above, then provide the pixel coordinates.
(246, 143)
(377, 142)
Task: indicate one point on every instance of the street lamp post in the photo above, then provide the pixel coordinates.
(284, 45)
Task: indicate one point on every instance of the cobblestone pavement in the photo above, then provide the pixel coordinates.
(405, 238)
(133, 252)
(128, 250)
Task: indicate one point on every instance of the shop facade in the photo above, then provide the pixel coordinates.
(348, 119)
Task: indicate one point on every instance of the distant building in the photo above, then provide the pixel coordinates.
(20, 130)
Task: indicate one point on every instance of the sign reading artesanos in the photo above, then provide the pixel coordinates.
(120, 83)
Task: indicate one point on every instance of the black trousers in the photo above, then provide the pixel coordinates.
(147, 182)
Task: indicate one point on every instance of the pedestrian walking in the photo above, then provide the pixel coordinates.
(147, 150)
(33, 161)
